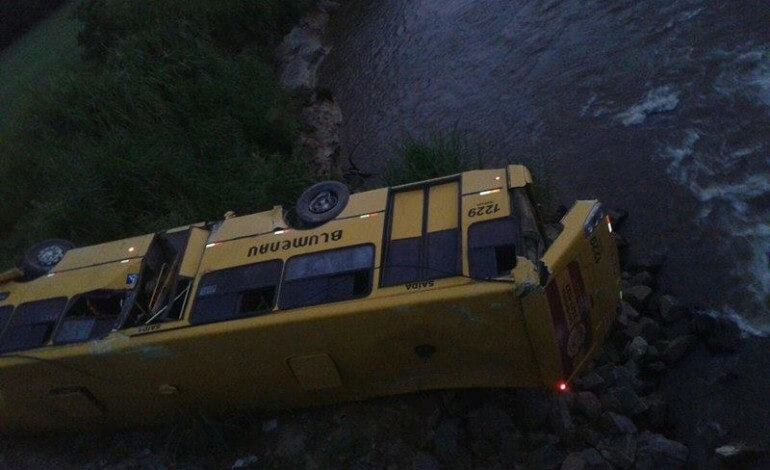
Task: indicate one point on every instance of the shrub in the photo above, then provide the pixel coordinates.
(163, 127)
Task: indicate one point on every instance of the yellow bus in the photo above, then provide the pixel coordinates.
(440, 284)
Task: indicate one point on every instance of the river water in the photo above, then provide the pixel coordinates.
(661, 107)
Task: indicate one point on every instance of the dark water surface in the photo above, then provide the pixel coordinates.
(659, 107)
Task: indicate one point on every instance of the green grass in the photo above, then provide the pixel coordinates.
(173, 116)
(438, 155)
(50, 47)
(448, 153)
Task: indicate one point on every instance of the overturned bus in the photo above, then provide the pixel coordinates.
(440, 284)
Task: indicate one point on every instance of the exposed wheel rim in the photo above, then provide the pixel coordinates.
(50, 255)
(323, 202)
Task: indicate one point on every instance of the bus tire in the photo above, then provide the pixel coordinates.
(42, 257)
(322, 202)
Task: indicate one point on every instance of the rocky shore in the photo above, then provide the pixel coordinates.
(298, 58)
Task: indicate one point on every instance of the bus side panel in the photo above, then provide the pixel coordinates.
(543, 337)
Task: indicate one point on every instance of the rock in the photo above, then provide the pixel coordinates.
(590, 435)
(299, 56)
(445, 439)
(574, 461)
(531, 408)
(425, 461)
(736, 455)
(484, 429)
(246, 462)
(561, 420)
(725, 337)
(629, 401)
(617, 217)
(677, 348)
(637, 296)
(269, 425)
(617, 375)
(643, 278)
(616, 424)
(653, 304)
(628, 311)
(590, 381)
(619, 450)
(588, 404)
(322, 143)
(594, 460)
(651, 262)
(654, 451)
(552, 231)
(650, 330)
(637, 348)
(657, 410)
(547, 457)
(672, 310)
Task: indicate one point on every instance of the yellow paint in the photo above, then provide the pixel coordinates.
(443, 200)
(407, 214)
(483, 334)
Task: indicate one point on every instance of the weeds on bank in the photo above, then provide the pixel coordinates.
(438, 155)
(442, 154)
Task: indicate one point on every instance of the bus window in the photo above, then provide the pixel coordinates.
(239, 292)
(491, 248)
(92, 316)
(32, 324)
(443, 235)
(327, 276)
(424, 237)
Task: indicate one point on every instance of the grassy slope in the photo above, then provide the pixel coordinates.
(48, 47)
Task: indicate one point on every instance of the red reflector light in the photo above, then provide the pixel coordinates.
(562, 386)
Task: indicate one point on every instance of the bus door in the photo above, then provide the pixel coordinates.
(422, 239)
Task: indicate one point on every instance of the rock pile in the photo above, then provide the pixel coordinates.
(299, 57)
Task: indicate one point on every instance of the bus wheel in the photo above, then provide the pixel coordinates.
(322, 202)
(41, 257)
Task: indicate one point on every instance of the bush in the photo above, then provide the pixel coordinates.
(163, 127)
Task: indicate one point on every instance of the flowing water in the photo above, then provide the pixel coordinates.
(659, 107)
